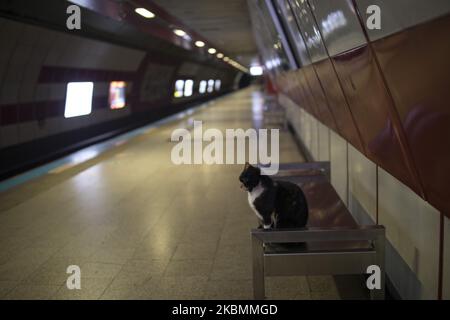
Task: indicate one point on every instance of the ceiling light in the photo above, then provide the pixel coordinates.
(220, 55)
(179, 32)
(226, 59)
(145, 13)
(199, 44)
(212, 50)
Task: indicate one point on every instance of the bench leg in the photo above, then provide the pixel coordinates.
(258, 269)
(380, 250)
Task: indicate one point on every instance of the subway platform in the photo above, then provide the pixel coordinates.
(141, 227)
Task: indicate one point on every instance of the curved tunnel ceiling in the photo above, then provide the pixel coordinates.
(224, 23)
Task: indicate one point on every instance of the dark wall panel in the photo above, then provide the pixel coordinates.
(338, 103)
(419, 81)
(372, 109)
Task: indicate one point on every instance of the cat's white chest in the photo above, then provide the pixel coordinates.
(252, 196)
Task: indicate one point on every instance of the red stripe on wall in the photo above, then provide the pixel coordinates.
(50, 74)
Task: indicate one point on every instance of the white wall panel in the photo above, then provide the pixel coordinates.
(27, 131)
(362, 187)
(10, 135)
(56, 49)
(9, 93)
(93, 54)
(30, 77)
(8, 44)
(314, 146)
(412, 228)
(446, 279)
(52, 126)
(324, 143)
(338, 162)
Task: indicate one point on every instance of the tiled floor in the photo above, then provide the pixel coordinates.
(140, 227)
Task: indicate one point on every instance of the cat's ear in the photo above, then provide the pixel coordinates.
(247, 165)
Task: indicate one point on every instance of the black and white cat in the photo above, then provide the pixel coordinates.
(277, 204)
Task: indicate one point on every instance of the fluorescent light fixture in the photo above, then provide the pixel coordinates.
(199, 44)
(220, 55)
(212, 50)
(256, 70)
(145, 13)
(179, 32)
(78, 99)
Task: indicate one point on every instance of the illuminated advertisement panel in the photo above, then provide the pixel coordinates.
(117, 94)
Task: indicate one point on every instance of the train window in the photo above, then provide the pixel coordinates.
(188, 87)
(202, 88)
(78, 99)
(217, 85)
(210, 85)
(117, 94)
(179, 87)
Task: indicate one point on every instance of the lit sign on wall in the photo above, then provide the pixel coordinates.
(188, 86)
(117, 94)
(179, 86)
(78, 99)
(202, 87)
(210, 85)
(217, 85)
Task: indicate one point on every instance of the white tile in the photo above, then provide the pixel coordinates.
(294, 113)
(338, 162)
(10, 135)
(52, 126)
(27, 131)
(446, 279)
(324, 143)
(362, 187)
(314, 146)
(412, 228)
(57, 91)
(94, 54)
(312, 136)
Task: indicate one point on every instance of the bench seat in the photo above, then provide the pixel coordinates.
(331, 243)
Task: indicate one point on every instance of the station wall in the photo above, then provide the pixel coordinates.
(39, 58)
(378, 100)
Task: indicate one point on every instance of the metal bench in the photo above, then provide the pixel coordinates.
(331, 244)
